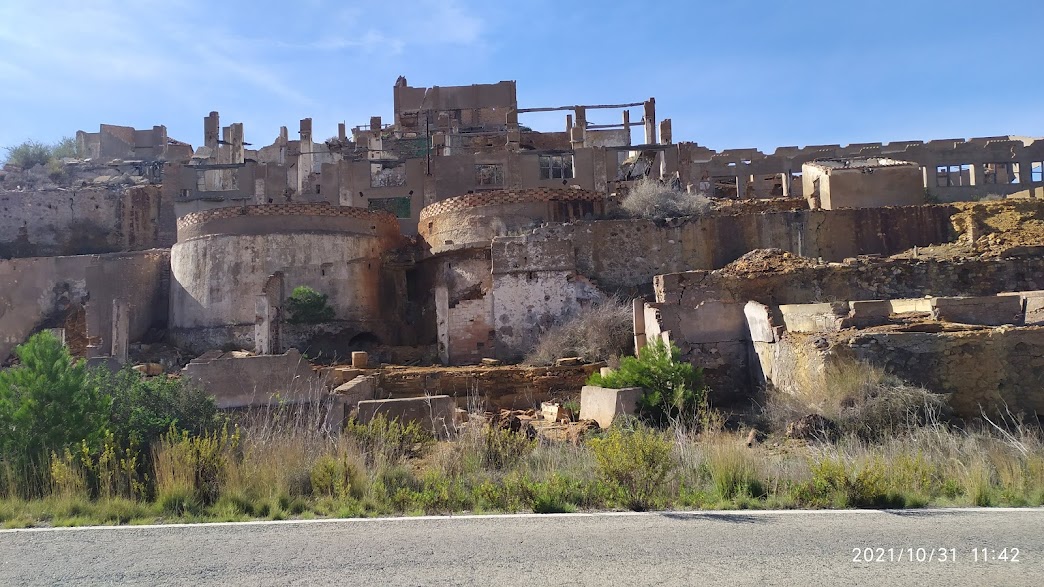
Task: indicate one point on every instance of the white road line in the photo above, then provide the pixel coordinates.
(685, 513)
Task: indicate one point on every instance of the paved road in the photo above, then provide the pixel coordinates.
(733, 548)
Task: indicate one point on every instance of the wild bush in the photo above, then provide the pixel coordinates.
(144, 409)
(31, 153)
(649, 198)
(638, 461)
(192, 468)
(672, 389)
(389, 441)
(862, 399)
(598, 332)
(307, 306)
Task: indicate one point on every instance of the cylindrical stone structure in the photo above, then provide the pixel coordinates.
(225, 258)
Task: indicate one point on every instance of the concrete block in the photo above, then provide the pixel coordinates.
(863, 314)
(549, 411)
(434, 412)
(359, 389)
(759, 322)
(360, 359)
(911, 306)
(987, 311)
(603, 405)
(813, 318)
(1033, 306)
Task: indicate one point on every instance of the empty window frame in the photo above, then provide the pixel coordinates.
(1000, 173)
(952, 175)
(1037, 171)
(489, 175)
(556, 167)
(385, 174)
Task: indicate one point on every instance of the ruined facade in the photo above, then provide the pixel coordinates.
(456, 227)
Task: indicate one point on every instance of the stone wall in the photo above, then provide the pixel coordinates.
(81, 221)
(40, 291)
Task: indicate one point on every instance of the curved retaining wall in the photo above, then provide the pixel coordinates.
(473, 220)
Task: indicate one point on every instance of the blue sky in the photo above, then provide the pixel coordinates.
(730, 74)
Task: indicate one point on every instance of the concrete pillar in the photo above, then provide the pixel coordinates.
(375, 123)
(578, 138)
(650, 121)
(665, 132)
(342, 132)
(262, 325)
(120, 331)
(785, 180)
(236, 146)
(283, 140)
(627, 124)
(305, 161)
(211, 130)
(569, 123)
(225, 148)
(638, 315)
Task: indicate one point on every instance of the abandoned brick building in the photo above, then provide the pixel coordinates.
(458, 228)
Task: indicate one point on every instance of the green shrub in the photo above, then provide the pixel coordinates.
(48, 404)
(32, 153)
(144, 409)
(672, 389)
(638, 462)
(29, 154)
(307, 306)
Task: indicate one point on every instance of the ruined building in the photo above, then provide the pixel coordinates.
(457, 228)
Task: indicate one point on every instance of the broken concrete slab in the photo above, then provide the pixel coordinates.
(434, 412)
(987, 310)
(359, 389)
(240, 382)
(759, 322)
(824, 317)
(604, 405)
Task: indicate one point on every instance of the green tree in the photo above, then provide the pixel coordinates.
(47, 403)
(307, 306)
(672, 388)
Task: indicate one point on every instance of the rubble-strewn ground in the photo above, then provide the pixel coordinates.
(992, 229)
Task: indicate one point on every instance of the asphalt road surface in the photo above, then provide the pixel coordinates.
(913, 547)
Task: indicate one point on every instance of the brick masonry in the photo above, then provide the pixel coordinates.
(500, 197)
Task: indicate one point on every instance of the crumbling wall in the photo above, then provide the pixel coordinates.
(623, 254)
(79, 222)
(242, 382)
(991, 370)
(978, 158)
(38, 290)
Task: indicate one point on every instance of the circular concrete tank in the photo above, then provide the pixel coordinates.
(459, 232)
(226, 259)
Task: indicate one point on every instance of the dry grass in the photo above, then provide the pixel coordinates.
(649, 198)
(598, 332)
